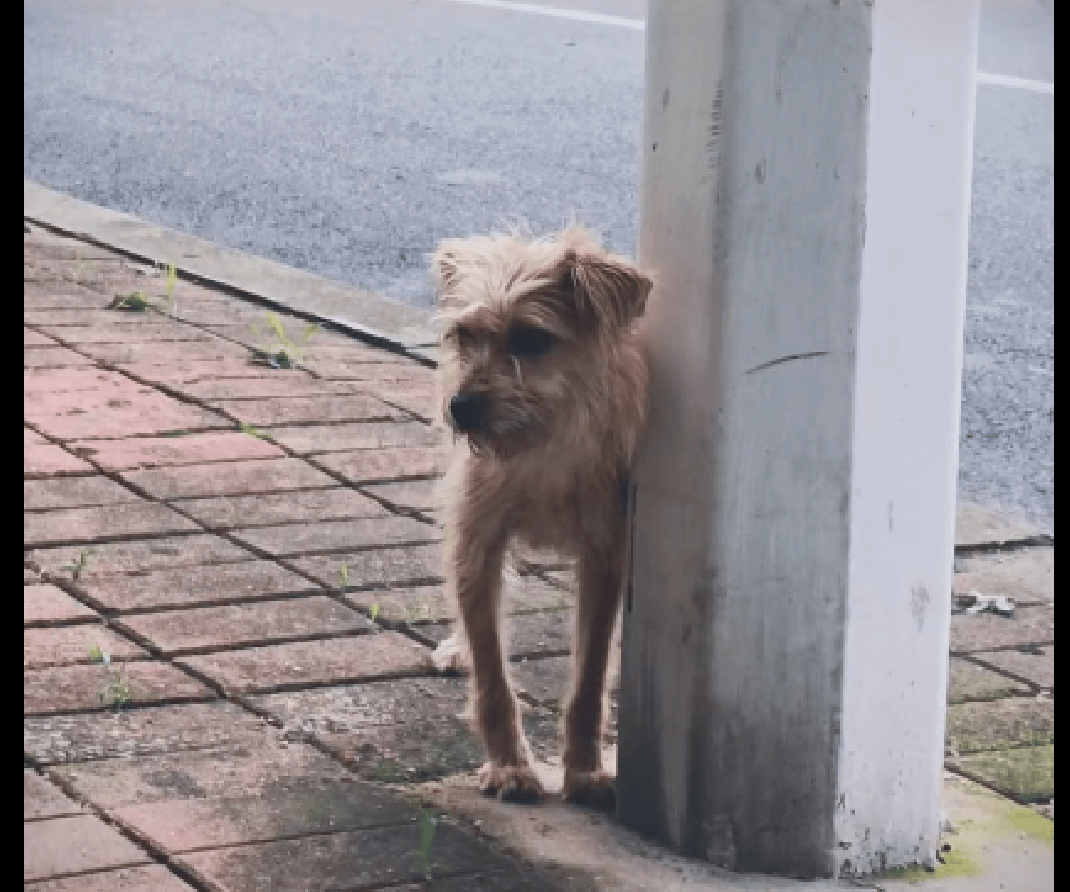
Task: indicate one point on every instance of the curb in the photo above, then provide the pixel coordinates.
(369, 317)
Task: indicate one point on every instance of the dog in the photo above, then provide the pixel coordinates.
(544, 375)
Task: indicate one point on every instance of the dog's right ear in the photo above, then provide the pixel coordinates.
(446, 263)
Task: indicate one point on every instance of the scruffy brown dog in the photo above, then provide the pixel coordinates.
(545, 375)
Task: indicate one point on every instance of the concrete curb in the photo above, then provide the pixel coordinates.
(364, 315)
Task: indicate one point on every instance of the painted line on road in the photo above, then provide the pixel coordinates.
(1015, 83)
(579, 15)
(576, 15)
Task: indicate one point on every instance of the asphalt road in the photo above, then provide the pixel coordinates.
(346, 138)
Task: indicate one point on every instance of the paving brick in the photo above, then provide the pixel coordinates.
(312, 439)
(151, 878)
(1014, 721)
(78, 316)
(967, 681)
(40, 383)
(245, 625)
(1025, 773)
(71, 845)
(403, 372)
(539, 634)
(190, 449)
(43, 799)
(380, 466)
(44, 603)
(227, 512)
(193, 586)
(54, 357)
(150, 730)
(544, 681)
(339, 660)
(165, 353)
(1035, 664)
(256, 332)
(346, 366)
(47, 460)
(137, 556)
(258, 764)
(353, 860)
(428, 603)
(64, 296)
(312, 409)
(984, 631)
(71, 688)
(413, 495)
(98, 415)
(65, 253)
(185, 824)
(182, 371)
(409, 606)
(215, 313)
(145, 331)
(1028, 576)
(519, 877)
(73, 492)
(68, 645)
(405, 730)
(31, 338)
(284, 384)
(293, 539)
(410, 729)
(101, 523)
(416, 398)
(406, 566)
(230, 478)
(335, 348)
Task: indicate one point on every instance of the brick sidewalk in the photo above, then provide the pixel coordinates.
(263, 686)
(256, 550)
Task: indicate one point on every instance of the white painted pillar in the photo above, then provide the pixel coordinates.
(804, 210)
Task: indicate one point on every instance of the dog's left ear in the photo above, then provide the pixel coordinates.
(611, 287)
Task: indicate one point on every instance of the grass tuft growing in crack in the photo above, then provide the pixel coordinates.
(117, 689)
(278, 349)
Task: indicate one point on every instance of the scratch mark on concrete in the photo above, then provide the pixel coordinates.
(788, 358)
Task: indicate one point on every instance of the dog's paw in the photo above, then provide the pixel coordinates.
(511, 783)
(591, 788)
(452, 656)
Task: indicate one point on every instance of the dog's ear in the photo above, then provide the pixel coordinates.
(446, 263)
(609, 288)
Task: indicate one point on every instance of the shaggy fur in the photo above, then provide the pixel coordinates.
(545, 375)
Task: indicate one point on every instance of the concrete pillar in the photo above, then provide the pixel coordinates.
(804, 209)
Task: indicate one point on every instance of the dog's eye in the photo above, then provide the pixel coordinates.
(530, 341)
(462, 335)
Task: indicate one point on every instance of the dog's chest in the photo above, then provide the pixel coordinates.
(570, 518)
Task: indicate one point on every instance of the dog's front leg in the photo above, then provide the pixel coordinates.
(596, 611)
(477, 575)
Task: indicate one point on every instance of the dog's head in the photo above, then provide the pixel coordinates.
(532, 337)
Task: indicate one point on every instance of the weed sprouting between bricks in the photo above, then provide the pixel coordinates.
(281, 351)
(81, 563)
(139, 302)
(422, 855)
(116, 689)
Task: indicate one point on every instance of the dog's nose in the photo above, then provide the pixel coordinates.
(468, 409)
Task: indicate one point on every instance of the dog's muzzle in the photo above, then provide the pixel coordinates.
(468, 409)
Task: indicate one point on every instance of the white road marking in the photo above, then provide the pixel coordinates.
(576, 15)
(579, 15)
(1015, 83)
